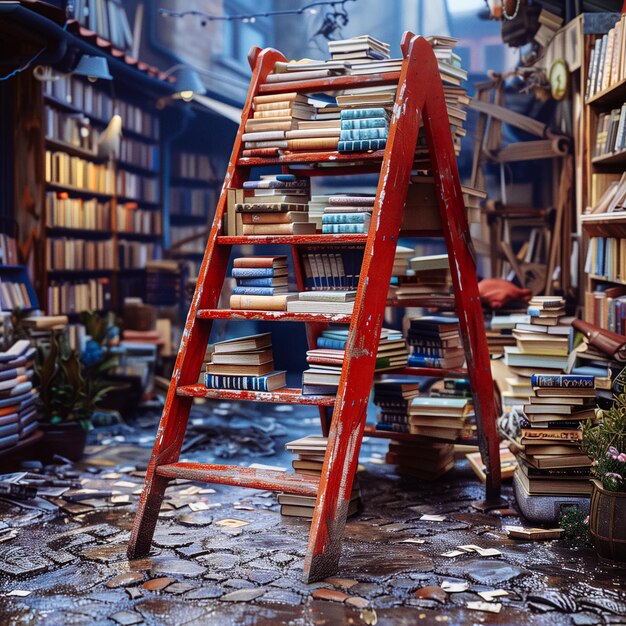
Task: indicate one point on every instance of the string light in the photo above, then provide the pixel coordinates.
(337, 6)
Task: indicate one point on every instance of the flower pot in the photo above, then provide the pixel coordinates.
(607, 522)
(67, 440)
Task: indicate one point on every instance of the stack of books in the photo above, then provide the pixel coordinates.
(163, 283)
(361, 47)
(261, 283)
(18, 396)
(451, 388)
(308, 454)
(245, 363)
(275, 115)
(552, 462)
(542, 339)
(435, 342)
(401, 261)
(317, 204)
(499, 330)
(326, 360)
(276, 205)
(332, 267)
(341, 302)
(392, 396)
(347, 214)
(421, 460)
(363, 129)
(445, 419)
(426, 276)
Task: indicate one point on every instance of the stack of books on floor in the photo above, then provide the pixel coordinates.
(347, 214)
(18, 396)
(261, 283)
(392, 396)
(427, 276)
(326, 360)
(308, 454)
(245, 363)
(552, 462)
(276, 115)
(421, 460)
(451, 388)
(276, 205)
(340, 302)
(499, 330)
(445, 419)
(543, 340)
(435, 341)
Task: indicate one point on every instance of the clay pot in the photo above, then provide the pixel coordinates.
(68, 440)
(607, 523)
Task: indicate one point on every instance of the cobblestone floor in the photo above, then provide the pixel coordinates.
(72, 559)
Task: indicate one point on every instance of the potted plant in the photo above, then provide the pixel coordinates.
(605, 443)
(71, 385)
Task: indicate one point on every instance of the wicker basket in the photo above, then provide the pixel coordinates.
(607, 522)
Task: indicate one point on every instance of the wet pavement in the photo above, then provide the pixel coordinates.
(223, 555)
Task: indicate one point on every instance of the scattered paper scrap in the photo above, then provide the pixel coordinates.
(490, 595)
(120, 499)
(453, 553)
(432, 518)
(110, 476)
(231, 523)
(199, 506)
(20, 593)
(482, 551)
(205, 490)
(411, 540)
(452, 586)
(487, 607)
(243, 507)
(519, 532)
(190, 491)
(124, 483)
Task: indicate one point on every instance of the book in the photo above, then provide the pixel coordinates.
(243, 344)
(275, 218)
(239, 370)
(361, 145)
(293, 204)
(327, 296)
(257, 357)
(564, 381)
(259, 291)
(258, 272)
(308, 306)
(269, 382)
(261, 303)
(296, 228)
(274, 262)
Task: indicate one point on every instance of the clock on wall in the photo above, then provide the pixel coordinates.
(559, 79)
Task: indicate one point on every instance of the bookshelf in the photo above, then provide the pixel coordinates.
(604, 224)
(16, 289)
(101, 218)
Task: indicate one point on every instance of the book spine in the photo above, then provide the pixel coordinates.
(352, 114)
(268, 229)
(301, 183)
(361, 145)
(275, 143)
(255, 291)
(346, 218)
(563, 381)
(344, 228)
(313, 143)
(258, 303)
(256, 282)
(259, 152)
(244, 383)
(365, 133)
(367, 122)
(331, 344)
(252, 272)
(278, 207)
(416, 360)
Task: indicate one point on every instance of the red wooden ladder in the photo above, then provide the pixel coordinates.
(420, 97)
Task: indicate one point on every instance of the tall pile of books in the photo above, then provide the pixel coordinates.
(445, 419)
(392, 396)
(244, 363)
(308, 454)
(276, 205)
(261, 283)
(542, 339)
(552, 462)
(435, 342)
(363, 128)
(326, 360)
(18, 396)
(347, 214)
(422, 460)
(361, 47)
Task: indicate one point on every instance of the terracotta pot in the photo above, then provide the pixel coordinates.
(67, 440)
(607, 522)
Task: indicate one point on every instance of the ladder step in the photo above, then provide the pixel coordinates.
(286, 395)
(313, 157)
(270, 480)
(273, 316)
(291, 240)
(332, 83)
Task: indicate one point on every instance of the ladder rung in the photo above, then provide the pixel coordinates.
(270, 480)
(332, 83)
(313, 157)
(273, 316)
(291, 240)
(286, 395)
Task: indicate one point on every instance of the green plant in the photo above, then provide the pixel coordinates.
(574, 525)
(604, 441)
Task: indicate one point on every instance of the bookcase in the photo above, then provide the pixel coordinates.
(101, 218)
(16, 289)
(604, 220)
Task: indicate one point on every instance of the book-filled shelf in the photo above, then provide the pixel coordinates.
(16, 289)
(102, 216)
(343, 249)
(604, 220)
